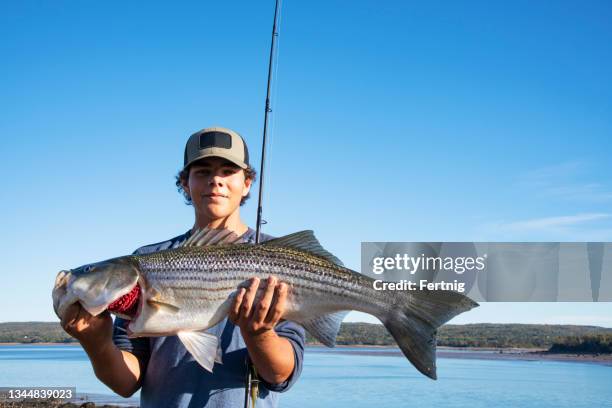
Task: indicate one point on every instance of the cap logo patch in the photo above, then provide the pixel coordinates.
(215, 139)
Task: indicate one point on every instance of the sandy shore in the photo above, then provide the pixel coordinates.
(605, 359)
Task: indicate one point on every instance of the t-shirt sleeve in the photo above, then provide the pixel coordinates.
(296, 336)
(139, 346)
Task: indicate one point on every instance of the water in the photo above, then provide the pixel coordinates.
(342, 379)
(54, 366)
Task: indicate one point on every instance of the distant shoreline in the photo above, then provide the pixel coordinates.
(484, 353)
(477, 353)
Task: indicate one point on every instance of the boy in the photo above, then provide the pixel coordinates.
(216, 180)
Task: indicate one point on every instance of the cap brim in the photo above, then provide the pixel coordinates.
(227, 157)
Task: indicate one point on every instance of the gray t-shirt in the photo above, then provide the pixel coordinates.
(172, 377)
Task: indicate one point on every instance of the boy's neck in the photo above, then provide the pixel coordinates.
(231, 222)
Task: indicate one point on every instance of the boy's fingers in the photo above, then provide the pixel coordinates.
(71, 314)
(278, 308)
(263, 305)
(235, 310)
(247, 302)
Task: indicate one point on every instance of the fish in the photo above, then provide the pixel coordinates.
(186, 290)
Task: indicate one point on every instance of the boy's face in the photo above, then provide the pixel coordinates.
(216, 187)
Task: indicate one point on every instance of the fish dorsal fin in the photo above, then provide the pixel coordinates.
(305, 241)
(212, 236)
(325, 328)
(202, 346)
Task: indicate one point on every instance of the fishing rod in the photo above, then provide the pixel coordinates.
(251, 389)
(265, 127)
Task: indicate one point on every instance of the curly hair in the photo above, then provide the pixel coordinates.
(183, 177)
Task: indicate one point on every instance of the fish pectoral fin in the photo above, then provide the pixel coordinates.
(202, 346)
(325, 328)
(305, 241)
(166, 307)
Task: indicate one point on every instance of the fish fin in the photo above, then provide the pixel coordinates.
(167, 307)
(202, 346)
(212, 236)
(325, 328)
(305, 241)
(413, 321)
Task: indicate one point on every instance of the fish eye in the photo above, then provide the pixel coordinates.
(88, 269)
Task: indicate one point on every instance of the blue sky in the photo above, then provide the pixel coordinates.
(394, 121)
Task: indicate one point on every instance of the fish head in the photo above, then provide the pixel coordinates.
(95, 286)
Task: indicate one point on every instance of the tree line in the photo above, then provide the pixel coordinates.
(556, 338)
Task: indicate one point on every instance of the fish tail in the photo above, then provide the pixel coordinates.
(413, 319)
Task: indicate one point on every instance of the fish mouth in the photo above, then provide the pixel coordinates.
(125, 305)
(62, 299)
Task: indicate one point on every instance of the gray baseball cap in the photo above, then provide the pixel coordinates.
(217, 142)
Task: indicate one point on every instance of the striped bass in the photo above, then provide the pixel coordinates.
(186, 290)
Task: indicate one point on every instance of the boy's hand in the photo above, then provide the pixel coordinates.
(90, 331)
(259, 318)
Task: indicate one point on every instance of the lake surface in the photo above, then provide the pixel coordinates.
(342, 379)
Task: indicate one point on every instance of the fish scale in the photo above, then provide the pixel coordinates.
(224, 271)
(223, 267)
